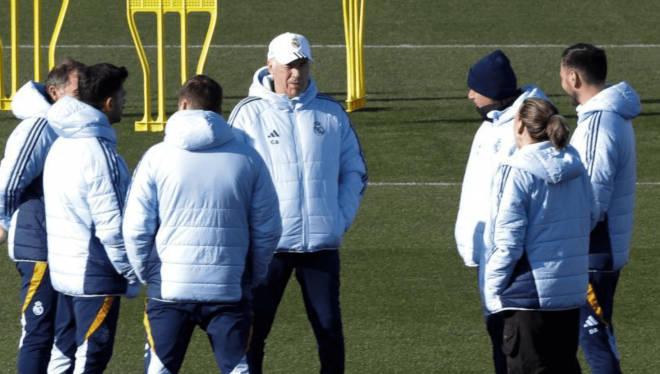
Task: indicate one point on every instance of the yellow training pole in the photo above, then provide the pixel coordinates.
(184, 43)
(161, 7)
(37, 40)
(160, 33)
(56, 34)
(5, 101)
(2, 74)
(354, 36)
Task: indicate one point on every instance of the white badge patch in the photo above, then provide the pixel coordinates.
(38, 308)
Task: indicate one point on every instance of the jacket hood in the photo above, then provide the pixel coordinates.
(503, 116)
(544, 161)
(30, 101)
(262, 86)
(71, 118)
(194, 130)
(620, 99)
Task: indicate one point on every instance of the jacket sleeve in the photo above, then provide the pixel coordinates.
(265, 223)
(107, 185)
(25, 156)
(509, 229)
(141, 218)
(598, 152)
(238, 121)
(353, 175)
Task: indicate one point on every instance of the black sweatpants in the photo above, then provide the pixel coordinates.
(538, 342)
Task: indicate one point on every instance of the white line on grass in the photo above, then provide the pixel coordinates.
(450, 184)
(334, 46)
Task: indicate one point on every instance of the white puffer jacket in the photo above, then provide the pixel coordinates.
(202, 218)
(605, 140)
(492, 144)
(85, 182)
(21, 187)
(314, 157)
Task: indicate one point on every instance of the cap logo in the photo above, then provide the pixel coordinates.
(295, 43)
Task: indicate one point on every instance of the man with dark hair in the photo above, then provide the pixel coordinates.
(605, 140)
(85, 183)
(201, 224)
(22, 217)
(201, 92)
(493, 88)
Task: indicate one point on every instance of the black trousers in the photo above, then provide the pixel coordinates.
(538, 342)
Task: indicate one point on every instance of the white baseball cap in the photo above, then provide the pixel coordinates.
(289, 47)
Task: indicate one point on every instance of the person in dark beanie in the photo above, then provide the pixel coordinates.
(493, 88)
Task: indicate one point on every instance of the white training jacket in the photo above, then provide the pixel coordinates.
(492, 143)
(312, 151)
(21, 189)
(85, 182)
(605, 140)
(537, 244)
(26, 149)
(202, 218)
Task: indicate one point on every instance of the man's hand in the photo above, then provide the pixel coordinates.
(3, 236)
(133, 290)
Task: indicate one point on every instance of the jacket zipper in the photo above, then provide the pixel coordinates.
(301, 173)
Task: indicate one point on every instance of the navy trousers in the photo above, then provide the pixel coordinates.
(38, 306)
(597, 338)
(318, 276)
(85, 330)
(170, 325)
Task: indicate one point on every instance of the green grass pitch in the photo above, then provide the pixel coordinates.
(409, 304)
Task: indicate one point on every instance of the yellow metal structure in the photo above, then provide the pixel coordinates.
(160, 7)
(5, 101)
(354, 33)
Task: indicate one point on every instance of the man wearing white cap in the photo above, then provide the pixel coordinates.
(317, 164)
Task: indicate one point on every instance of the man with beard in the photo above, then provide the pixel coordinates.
(494, 91)
(606, 142)
(85, 183)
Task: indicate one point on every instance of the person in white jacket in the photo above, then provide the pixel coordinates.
(22, 217)
(201, 224)
(314, 156)
(534, 266)
(494, 91)
(85, 183)
(605, 140)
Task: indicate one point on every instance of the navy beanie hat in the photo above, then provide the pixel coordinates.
(493, 77)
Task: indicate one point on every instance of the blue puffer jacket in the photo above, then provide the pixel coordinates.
(314, 157)
(605, 140)
(85, 182)
(202, 218)
(536, 254)
(21, 189)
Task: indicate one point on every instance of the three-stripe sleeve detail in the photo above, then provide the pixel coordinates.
(238, 108)
(594, 127)
(12, 198)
